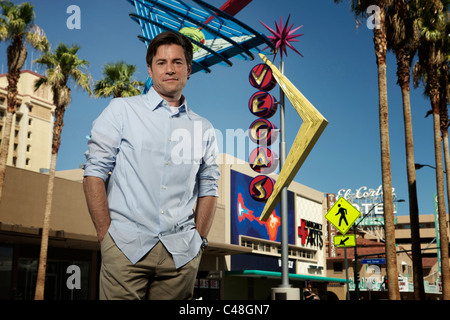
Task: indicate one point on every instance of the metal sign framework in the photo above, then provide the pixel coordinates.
(310, 130)
(221, 35)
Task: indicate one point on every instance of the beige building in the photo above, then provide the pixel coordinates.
(428, 233)
(31, 131)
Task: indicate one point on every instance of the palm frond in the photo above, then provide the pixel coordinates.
(63, 66)
(37, 39)
(117, 81)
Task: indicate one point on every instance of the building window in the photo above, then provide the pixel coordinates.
(6, 263)
(29, 135)
(337, 267)
(274, 248)
(27, 162)
(28, 148)
(30, 121)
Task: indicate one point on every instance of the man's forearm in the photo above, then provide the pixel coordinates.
(97, 202)
(206, 208)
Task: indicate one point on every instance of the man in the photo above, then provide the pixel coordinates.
(161, 158)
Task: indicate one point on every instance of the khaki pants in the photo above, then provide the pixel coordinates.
(154, 277)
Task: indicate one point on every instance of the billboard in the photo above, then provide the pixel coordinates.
(245, 213)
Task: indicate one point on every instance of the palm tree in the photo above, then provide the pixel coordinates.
(444, 98)
(117, 81)
(402, 39)
(17, 27)
(432, 20)
(63, 67)
(359, 7)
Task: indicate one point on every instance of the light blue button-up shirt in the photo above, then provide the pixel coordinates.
(160, 161)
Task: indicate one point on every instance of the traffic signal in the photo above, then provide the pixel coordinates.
(385, 282)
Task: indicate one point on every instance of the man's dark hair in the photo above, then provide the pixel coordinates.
(170, 37)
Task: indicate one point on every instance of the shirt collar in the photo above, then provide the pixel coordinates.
(156, 101)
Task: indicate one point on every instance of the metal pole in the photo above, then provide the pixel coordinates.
(355, 267)
(346, 273)
(283, 200)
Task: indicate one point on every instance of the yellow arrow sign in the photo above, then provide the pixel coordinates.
(310, 130)
(342, 215)
(341, 241)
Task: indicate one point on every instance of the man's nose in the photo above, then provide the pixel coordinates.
(170, 68)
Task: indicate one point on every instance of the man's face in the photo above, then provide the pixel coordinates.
(169, 71)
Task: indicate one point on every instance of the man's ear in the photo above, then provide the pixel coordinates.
(150, 73)
(189, 71)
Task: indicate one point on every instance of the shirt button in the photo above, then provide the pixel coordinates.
(166, 163)
(162, 211)
(164, 187)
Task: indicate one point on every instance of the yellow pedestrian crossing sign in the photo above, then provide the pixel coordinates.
(347, 240)
(342, 215)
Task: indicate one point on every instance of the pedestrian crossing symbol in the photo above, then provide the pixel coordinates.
(342, 215)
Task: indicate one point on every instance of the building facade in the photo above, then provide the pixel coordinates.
(252, 274)
(32, 124)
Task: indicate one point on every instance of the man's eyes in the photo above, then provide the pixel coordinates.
(164, 62)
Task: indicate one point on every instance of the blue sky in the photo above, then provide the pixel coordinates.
(338, 75)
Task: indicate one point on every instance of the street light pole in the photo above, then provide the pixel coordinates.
(284, 291)
(418, 166)
(283, 200)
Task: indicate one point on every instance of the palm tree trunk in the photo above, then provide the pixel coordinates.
(16, 54)
(447, 168)
(433, 91)
(443, 113)
(40, 282)
(446, 161)
(445, 267)
(403, 75)
(60, 107)
(391, 251)
(5, 149)
(419, 289)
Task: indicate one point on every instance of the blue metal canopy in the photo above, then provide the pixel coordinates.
(216, 35)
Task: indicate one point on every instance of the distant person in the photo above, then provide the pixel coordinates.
(309, 294)
(162, 160)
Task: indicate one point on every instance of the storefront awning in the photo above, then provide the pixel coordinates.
(222, 249)
(292, 276)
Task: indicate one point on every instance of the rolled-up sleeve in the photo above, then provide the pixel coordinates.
(104, 142)
(209, 173)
